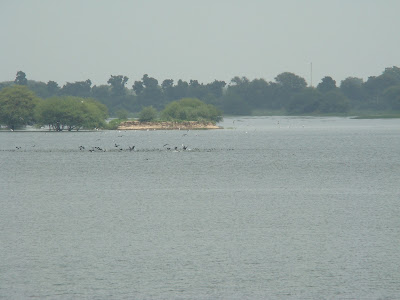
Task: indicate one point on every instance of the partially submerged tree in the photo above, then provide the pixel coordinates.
(17, 104)
(71, 113)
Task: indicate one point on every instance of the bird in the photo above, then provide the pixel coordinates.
(165, 145)
(131, 148)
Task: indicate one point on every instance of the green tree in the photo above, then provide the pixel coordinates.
(95, 114)
(149, 92)
(334, 102)
(391, 97)
(305, 101)
(102, 93)
(39, 88)
(71, 113)
(260, 94)
(181, 89)
(17, 104)
(234, 104)
(77, 89)
(167, 87)
(149, 82)
(326, 85)
(6, 84)
(122, 114)
(216, 88)
(118, 84)
(393, 73)
(291, 82)
(20, 78)
(353, 88)
(138, 87)
(117, 97)
(288, 84)
(190, 109)
(200, 91)
(148, 114)
(377, 85)
(52, 88)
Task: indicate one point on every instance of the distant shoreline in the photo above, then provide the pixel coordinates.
(167, 125)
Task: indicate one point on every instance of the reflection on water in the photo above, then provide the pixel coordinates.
(267, 208)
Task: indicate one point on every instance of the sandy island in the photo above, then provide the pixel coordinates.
(186, 125)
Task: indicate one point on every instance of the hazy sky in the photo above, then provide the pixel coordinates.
(74, 40)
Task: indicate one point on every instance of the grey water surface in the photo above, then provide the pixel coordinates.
(267, 208)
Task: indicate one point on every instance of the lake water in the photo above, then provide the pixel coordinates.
(267, 208)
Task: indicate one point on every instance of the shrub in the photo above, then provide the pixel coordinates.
(122, 114)
(191, 109)
(148, 114)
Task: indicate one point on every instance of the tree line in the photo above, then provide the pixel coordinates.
(19, 106)
(287, 94)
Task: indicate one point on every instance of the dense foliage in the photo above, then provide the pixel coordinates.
(190, 109)
(71, 113)
(17, 104)
(148, 114)
(287, 94)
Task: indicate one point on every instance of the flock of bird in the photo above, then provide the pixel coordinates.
(118, 147)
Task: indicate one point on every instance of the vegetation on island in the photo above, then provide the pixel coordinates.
(191, 109)
(186, 109)
(19, 107)
(85, 106)
(148, 114)
(181, 111)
